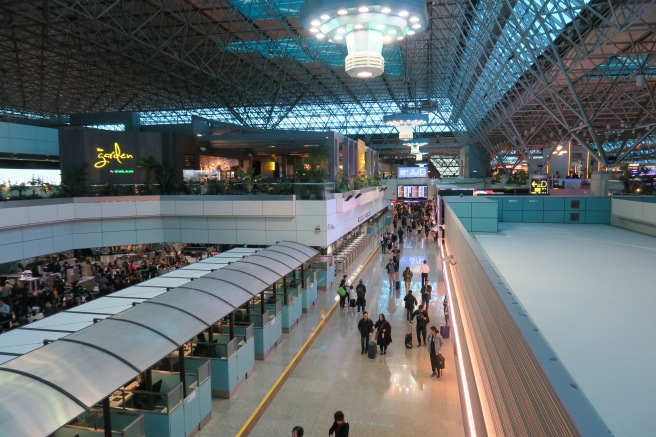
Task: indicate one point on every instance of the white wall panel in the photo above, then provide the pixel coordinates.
(251, 223)
(171, 222)
(11, 236)
(250, 236)
(193, 222)
(648, 212)
(312, 207)
(11, 252)
(218, 207)
(84, 227)
(118, 209)
(88, 210)
(147, 208)
(60, 229)
(36, 232)
(37, 247)
(194, 235)
(42, 214)
(225, 236)
(191, 207)
(221, 223)
(172, 235)
(61, 243)
(273, 237)
(118, 238)
(634, 210)
(145, 236)
(91, 239)
(149, 223)
(118, 225)
(66, 212)
(247, 208)
(279, 207)
(13, 217)
(311, 238)
(280, 224)
(167, 207)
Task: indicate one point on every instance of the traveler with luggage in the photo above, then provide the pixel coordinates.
(391, 273)
(366, 327)
(410, 301)
(383, 334)
(421, 316)
(360, 292)
(435, 343)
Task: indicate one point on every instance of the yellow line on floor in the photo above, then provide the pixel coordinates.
(252, 420)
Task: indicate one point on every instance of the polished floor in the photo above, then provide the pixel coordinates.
(388, 396)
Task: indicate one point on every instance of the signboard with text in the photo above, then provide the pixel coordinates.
(539, 184)
(412, 191)
(413, 172)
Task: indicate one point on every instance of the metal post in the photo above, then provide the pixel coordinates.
(182, 370)
(303, 273)
(274, 289)
(231, 325)
(107, 418)
(262, 301)
(284, 284)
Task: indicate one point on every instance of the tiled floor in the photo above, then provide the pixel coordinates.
(390, 395)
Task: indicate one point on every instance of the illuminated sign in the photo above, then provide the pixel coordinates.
(413, 172)
(122, 171)
(105, 158)
(539, 184)
(412, 191)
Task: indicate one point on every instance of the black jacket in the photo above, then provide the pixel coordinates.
(365, 326)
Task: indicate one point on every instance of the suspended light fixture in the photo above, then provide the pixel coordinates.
(640, 81)
(364, 27)
(405, 122)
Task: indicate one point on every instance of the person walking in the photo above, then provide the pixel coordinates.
(407, 277)
(391, 273)
(360, 291)
(383, 334)
(400, 236)
(424, 272)
(410, 301)
(421, 316)
(366, 327)
(340, 426)
(383, 243)
(426, 291)
(435, 343)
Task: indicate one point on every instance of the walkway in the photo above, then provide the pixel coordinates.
(391, 395)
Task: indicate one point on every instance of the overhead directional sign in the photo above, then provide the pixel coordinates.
(413, 172)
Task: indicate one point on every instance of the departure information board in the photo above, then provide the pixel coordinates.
(412, 192)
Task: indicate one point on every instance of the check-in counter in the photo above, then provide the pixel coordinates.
(290, 303)
(234, 358)
(309, 290)
(325, 271)
(198, 403)
(91, 424)
(164, 414)
(268, 329)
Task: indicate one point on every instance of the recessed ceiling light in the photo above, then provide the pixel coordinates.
(414, 19)
(399, 38)
(386, 10)
(359, 26)
(320, 36)
(416, 26)
(363, 9)
(380, 27)
(338, 37)
(403, 13)
(325, 17)
(341, 30)
(388, 39)
(342, 12)
(392, 32)
(365, 74)
(411, 32)
(314, 30)
(315, 23)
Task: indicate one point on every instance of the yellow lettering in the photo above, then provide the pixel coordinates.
(116, 154)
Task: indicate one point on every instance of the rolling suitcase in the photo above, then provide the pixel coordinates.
(445, 331)
(408, 340)
(371, 349)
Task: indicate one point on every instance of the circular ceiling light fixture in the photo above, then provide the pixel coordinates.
(364, 27)
(405, 122)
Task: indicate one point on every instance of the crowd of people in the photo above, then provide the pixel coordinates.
(21, 305)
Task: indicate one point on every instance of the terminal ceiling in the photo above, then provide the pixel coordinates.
(513, 76)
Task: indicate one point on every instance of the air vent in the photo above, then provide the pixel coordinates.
(574, 216)
(575, 204)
